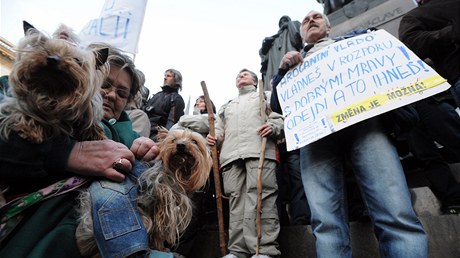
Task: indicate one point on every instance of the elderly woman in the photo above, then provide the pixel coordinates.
(53, 219)
(115, 236)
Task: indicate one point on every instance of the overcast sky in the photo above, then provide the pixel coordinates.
(206, 40)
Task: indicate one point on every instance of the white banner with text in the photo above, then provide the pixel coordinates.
(119, 24)
(350, 81)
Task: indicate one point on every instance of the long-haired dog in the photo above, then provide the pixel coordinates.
(54, 89)
(164, 191)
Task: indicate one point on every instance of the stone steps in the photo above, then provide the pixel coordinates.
(298, 241)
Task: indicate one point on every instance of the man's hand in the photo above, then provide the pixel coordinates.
(265, 130)
(290, 59)
(211, 140)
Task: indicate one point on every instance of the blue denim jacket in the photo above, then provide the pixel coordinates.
(118, 228)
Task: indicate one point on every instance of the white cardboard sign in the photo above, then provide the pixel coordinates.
(350, 81)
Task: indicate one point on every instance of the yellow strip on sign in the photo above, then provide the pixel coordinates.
(381, 99)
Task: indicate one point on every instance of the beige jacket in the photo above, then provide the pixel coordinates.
(236, 128)
(197, 123)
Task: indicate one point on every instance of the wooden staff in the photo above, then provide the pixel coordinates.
(212, 132)
(260, 168)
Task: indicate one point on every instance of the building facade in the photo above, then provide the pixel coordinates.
(7, 56)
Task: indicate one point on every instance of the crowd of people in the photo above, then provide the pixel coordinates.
(307, 186)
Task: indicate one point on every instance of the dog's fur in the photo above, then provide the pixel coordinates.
(164, 191)
(54, 89)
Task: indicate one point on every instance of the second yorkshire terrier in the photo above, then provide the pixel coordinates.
(164, 191)
(54, 89)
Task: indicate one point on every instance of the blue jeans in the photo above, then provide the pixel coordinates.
(381, 179)
(118, 228)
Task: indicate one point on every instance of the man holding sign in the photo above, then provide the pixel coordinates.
(373, 158)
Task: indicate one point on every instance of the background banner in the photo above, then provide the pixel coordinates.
(119, 24)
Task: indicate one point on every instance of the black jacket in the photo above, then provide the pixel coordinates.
(432, 30)
(164, 108)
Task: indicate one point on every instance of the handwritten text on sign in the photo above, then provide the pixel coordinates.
(119, 24)
(349, 81)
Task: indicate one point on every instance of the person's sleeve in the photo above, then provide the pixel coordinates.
(219, 125)
(21, 158)
(140, 122)
(276, 122)
(414, 34)
(176, 126)
(58, 156)
(274, 102)
(176, 111)
(196, 123)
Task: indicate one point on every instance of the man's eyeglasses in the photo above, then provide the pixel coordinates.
(122, 93)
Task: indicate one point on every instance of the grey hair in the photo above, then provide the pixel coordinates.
(118, 58)
(177, 77)
(326, 19)
(145, 92)
(254, 75)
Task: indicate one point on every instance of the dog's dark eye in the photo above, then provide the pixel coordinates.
(77, 61)
(194, 142)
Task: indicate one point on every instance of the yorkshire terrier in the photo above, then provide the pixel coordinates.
(54, 88)
(164, 191)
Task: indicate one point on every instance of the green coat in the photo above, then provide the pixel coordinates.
(121, 131)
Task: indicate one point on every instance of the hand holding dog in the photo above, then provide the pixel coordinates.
(145, 149)
(96, 158)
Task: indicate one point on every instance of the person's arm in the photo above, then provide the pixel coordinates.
(290, 59)
(219, 128)
(20, 158)
(423, 42)
(274, 102)
(140, 122)
(196, 123)
(176, 111)
(276, 123)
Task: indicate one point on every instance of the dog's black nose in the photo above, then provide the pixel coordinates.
(180, 147)
(53, 60)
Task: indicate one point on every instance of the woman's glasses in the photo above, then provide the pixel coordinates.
(121, 92)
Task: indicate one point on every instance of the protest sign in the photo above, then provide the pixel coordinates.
(349, 81)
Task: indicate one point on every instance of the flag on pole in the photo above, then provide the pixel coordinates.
(119, 24)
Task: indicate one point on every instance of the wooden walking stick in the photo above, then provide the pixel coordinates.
(212, 132)
(260, 168)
